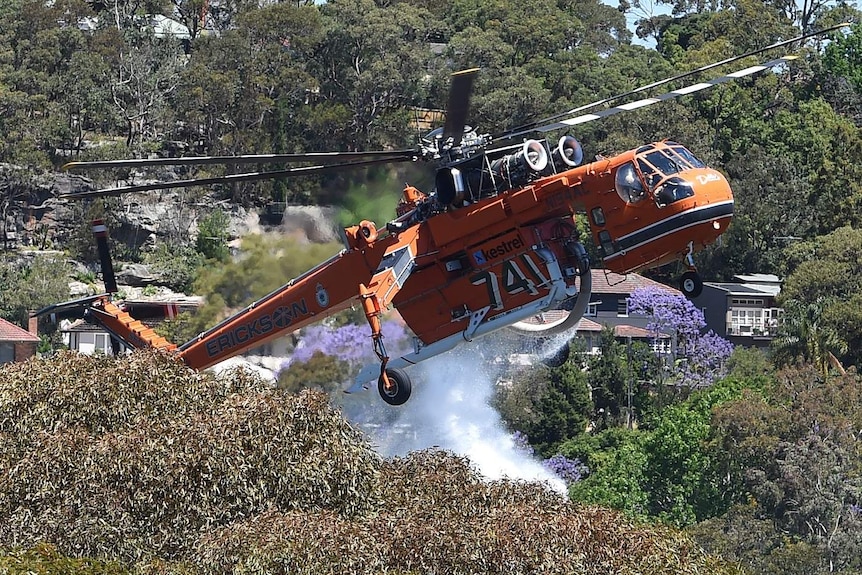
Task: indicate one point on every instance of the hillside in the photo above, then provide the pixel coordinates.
(163, 469)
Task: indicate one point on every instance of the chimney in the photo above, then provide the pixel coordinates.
(33, 325)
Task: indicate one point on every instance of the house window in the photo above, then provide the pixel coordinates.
(592, 309)
(754, 321)
(103, 343)
(623, 307)
(660, 346)
(7, 352)
(747, 301)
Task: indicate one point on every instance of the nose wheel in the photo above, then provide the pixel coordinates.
(690, 284)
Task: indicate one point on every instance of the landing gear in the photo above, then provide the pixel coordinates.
(394, 386)
(558, 357)
(690, 284)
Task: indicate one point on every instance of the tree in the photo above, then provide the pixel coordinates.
(704, 355)
(607, 380)
(547, 405)
(213, 233)
(321, 372)
(29, 285)
(816, 326)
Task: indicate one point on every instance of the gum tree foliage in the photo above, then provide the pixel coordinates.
(703, 356)
(821, 297)
(31, 284)
(793, 447)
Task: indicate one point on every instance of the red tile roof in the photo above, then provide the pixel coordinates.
(11, 332)
(611, 283)
(637, 332)
(588, 325)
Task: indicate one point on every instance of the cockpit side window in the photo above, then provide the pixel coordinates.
(628, 184)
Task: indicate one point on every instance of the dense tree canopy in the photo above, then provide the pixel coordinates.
(763, 466)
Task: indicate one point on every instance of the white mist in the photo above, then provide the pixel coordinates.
(450, 408)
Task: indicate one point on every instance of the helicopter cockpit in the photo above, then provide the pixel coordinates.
(656, 172)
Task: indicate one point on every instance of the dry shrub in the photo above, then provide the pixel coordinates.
(439, 516)
(144, 475)
(176, 472)
(101, 394)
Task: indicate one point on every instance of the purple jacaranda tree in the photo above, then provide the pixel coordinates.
(350, 343)
(569, 470)
(702, 357)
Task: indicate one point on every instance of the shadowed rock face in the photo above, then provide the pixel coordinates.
(29, 206)
(30, 211)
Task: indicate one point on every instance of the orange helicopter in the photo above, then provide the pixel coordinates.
(493, 246)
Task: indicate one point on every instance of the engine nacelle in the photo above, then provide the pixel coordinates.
(517, 168)
(450, 185)
(568, 153)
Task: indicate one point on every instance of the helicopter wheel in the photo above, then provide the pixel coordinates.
(399, 392)
(558, 357)
(690, 284)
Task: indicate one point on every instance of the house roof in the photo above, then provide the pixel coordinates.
(588, 325)
(11, 332)
(745, 289)
(637, 332)
(605, 282)
(757, 278)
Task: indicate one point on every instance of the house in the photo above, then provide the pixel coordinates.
(84, 337)
(17, 344)
(743, 311)
(590, 333)
(609, 306)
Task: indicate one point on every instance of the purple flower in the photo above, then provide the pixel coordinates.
(522, 443)
(704, 355)
(569, 470)
(350, 343)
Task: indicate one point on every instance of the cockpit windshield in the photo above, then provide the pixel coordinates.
(659, 166)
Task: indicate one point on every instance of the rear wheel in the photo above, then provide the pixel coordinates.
(399, 388)
(558, 357)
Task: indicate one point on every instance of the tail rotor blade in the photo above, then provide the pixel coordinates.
(100, 231)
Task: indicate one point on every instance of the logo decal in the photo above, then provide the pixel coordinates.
(322, 296)
(498, 248)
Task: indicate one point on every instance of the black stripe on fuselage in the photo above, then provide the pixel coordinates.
(673, 224)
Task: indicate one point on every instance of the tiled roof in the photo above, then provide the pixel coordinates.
(605, 282)
(11, 332)
(588, 325)
(637, 332)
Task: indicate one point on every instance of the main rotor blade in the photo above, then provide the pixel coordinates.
(319, 157)
(582, 119)
(247, 177)
(459, 104)
(533, 125)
